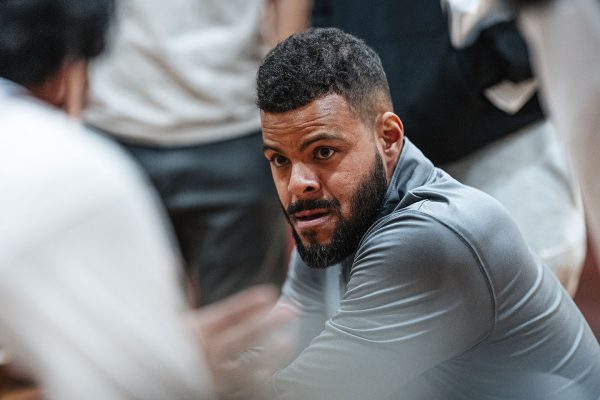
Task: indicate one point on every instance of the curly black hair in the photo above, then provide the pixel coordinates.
(318, 62)
(37, 36)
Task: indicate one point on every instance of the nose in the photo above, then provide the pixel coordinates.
(303, 182)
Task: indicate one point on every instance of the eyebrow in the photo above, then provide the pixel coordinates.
(273, 148)
(303, 146)
(320, 136)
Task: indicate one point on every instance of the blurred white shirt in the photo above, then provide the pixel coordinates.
(179, 72)
(89, 295)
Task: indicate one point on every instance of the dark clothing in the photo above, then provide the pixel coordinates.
(437, 89)
(225, 213)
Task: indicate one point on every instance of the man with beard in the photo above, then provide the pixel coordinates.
(411, 285)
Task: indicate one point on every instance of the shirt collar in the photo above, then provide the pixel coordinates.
(412, 170)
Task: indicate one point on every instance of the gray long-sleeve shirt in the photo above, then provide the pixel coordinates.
(442, 300)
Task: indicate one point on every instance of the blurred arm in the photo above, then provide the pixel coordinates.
(564, 37)
(285, 17)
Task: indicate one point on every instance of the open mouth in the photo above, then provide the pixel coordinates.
(309, 215)
(311, 218)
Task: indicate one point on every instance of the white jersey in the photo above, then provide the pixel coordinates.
(89, 294)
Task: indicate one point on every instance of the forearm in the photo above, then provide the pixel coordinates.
(287, 17)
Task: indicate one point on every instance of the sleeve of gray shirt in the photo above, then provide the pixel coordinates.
(304, 289)
(416, 297)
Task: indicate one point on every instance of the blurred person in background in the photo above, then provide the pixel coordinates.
(90, 300)
(176, 89)
(410, 284)
(466, 95)
(564, 38)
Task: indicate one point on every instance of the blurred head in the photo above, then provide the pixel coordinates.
(331, 137)
(44, 44)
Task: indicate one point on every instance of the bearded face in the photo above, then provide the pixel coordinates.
(365, 203)
(331, 168)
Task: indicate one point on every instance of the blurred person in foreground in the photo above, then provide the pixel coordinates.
(90, 304)
(410, 284)
(176, 90)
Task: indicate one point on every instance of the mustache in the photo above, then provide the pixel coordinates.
(304, 205)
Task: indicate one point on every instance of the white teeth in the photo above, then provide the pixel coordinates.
(309, 217)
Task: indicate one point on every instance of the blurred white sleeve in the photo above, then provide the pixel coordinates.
(564, 39)
(89, 296)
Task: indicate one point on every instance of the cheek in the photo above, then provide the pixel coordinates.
(346, 179)
(281, 185)
(341, 186)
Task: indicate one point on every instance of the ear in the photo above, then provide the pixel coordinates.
(390, 133)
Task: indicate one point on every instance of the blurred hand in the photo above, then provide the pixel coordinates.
(236, 325)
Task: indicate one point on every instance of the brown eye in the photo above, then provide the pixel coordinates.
(279, 161)
(323, 153)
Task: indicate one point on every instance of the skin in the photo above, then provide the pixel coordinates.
(283, 18)
(66, 89)
(321, 151)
